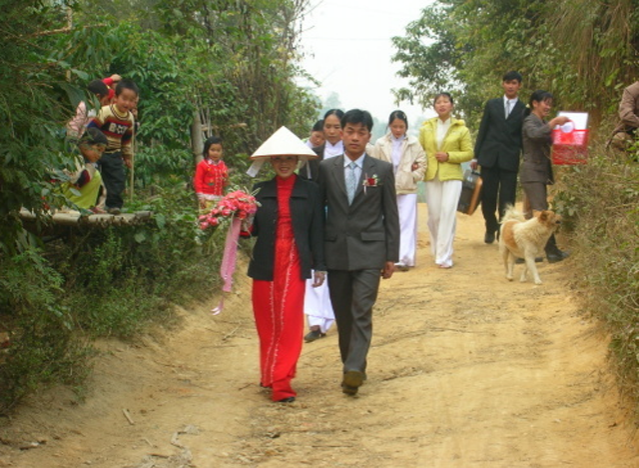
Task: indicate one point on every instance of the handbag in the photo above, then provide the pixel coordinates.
(471, 192)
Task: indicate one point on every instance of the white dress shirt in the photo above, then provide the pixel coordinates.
(359, 165)
(509, 105)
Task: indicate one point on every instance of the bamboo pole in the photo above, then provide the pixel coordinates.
(132, 168)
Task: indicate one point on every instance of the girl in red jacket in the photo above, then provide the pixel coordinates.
(211, 174)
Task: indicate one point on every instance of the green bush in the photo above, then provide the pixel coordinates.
(42, 349)
(600, 201)
(92, 282)
(124, 276)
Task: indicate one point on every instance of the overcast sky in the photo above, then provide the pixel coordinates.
(347, 47)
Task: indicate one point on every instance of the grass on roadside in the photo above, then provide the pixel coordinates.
(57, 297)
(600, 202)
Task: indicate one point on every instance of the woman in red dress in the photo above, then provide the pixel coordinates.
(289, 230)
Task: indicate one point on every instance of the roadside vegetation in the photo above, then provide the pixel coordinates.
(585, 53)
(229, 68)
(600, 202)
(203, 68)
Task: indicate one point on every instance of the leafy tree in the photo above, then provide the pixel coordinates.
(232, 61)
(580, 50)
(34, 103)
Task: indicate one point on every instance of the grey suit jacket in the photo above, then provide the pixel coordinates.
(537, 166)
(365, 234)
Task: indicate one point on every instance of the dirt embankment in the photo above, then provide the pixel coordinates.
(466, 370)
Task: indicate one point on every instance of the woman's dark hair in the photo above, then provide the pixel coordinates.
(398, 115)
(450, 98)
(319, 126)
(540, 95)
(336, 112)
(214, 140)
(358, 116)
(98, 88)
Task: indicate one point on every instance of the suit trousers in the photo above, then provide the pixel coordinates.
(499, 187)
(353, 294)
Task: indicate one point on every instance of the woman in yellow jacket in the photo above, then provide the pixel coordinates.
(447, 144)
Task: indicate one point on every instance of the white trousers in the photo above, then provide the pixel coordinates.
(442, 199)
(318, 307)
(407, 207)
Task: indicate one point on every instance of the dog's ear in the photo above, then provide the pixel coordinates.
(543, 216)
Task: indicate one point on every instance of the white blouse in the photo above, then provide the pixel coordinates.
(396, 154)
(330, 151)
(442, 129)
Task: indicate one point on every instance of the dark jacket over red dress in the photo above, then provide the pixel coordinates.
(289, 227)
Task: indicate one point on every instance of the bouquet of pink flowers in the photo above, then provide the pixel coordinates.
(237, 204)
(238, 207)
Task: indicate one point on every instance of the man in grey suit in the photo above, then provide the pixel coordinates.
(361, 238)
(498, 149)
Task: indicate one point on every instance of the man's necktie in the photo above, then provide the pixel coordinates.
(507, 107)
(351, 182)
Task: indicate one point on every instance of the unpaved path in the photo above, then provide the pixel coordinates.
(466, 370)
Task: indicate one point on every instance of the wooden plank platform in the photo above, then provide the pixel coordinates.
(75, 218)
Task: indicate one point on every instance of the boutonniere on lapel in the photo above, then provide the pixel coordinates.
(372, 181)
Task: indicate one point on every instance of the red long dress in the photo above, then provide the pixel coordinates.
(278, 305)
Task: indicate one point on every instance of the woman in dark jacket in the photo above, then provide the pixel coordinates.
(289, 230)
(536, 170)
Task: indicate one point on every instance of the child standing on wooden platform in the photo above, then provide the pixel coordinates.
(117, 122)
(211, 174)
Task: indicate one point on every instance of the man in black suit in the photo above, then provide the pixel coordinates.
(361, 238)
(497, 149)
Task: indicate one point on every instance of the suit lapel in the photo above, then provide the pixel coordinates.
(337, 172)
(517, 109)
(499, 108)
(368, 170)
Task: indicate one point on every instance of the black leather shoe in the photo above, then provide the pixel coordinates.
(352, 381)
(557, 256)
(489, 237)
(347, 389)
(290, 399)
(314, 335)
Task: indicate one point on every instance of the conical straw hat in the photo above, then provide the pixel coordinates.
(284, 143)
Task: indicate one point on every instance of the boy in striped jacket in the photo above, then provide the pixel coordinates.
(117, 122)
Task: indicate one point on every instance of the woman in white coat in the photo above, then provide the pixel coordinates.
(409, 162)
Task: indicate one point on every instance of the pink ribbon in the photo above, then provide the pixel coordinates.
(227, 268)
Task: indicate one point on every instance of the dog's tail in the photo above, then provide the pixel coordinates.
(512, 215)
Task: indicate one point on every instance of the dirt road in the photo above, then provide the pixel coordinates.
(466, 370)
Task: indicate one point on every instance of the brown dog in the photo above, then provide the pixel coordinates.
(525, 239)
